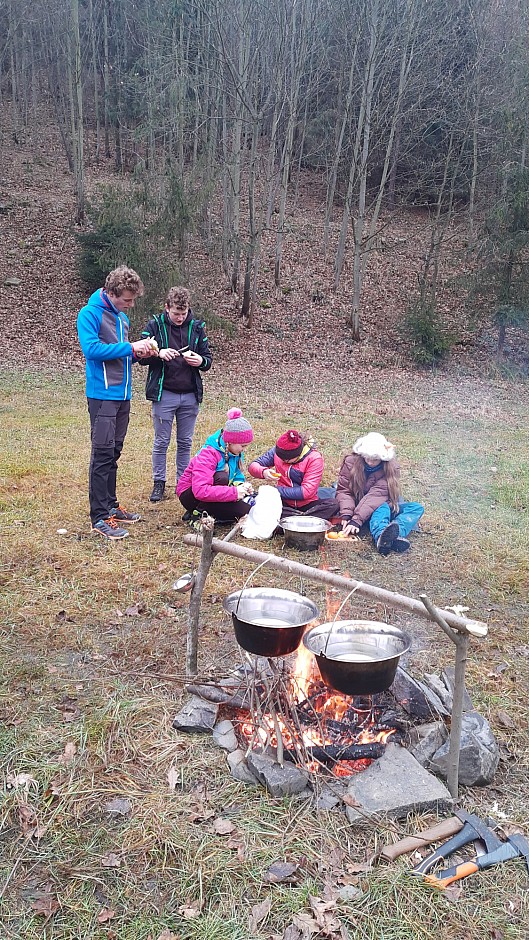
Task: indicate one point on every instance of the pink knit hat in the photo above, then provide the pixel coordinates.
(237, 429)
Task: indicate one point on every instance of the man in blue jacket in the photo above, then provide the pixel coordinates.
(103, 328)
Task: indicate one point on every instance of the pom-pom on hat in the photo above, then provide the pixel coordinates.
(237, 429)
(289, 445)
(374, 446)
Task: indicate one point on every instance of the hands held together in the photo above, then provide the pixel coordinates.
(149, 347)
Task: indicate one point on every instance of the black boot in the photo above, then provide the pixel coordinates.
(386, 538)
(158, 491)
(400, 545)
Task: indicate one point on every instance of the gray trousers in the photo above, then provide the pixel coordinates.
(184, 410)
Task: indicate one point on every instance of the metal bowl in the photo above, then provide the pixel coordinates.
(185, 583)
(306, 533)
(269, 621)
(360, 657)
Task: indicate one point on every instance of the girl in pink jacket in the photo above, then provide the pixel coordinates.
(296, 467)
(214, 481)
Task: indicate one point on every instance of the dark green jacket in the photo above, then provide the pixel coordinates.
(197, 342)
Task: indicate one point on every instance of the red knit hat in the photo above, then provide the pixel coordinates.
(289, 445)
(237, 429)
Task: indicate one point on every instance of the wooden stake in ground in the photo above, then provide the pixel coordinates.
(206, 558)
(459, 637)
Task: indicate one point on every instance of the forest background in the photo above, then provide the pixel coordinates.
(343, 187)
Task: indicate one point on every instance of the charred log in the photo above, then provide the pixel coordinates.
(332, 753)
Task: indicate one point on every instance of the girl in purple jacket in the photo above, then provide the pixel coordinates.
(369, 492)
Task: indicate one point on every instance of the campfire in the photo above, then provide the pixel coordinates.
(293, 713)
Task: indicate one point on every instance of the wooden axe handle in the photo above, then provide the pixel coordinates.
(443, 830)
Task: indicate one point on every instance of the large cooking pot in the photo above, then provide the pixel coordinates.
(357, 657)
(269, 621)
(306, 533)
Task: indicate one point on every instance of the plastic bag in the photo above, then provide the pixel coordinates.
(262, 520)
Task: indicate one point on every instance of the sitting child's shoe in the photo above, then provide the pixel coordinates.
(400, 545)
(384, 543)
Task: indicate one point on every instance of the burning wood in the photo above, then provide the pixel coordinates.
(332, 753)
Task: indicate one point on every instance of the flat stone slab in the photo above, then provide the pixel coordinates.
(395, 785)
(279, 781)
(224, 735)
(197, 715)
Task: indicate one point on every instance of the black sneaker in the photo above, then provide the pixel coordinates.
(109, 529)
(120, 514)
(400, 545)
(386, 538)
(187, 516)
(158, 491)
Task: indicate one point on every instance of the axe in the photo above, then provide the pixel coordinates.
(473, 829)
(516, 846)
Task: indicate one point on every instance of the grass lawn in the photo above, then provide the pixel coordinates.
(93, 659)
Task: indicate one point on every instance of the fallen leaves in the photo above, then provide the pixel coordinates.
(45, 906)
(173, 778)
(118, 806)
(190, 910)
(105, 915)
(259, 913)
(281, 873)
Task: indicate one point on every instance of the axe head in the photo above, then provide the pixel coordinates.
(521, 843)
(483, 832)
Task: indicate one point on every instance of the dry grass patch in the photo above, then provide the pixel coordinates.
(93, 651)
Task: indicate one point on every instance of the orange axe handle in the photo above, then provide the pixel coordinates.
(452, 874)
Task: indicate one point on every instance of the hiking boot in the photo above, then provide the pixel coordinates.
(158, 491)
(400, 545)
(120, 514)
(110, 529)
(195, 520)
(386, 538)
(187, 516)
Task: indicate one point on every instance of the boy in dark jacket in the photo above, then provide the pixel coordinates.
(174, 384)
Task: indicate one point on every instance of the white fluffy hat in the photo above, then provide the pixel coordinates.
(374, 445)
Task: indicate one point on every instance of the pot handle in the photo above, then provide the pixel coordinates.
(324, 651)
(250, 576)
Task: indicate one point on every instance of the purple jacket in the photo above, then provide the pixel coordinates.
(375, 493)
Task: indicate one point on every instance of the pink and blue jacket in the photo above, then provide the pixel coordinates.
(199, 473)
(298, 482)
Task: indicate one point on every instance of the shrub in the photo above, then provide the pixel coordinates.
(429, 342)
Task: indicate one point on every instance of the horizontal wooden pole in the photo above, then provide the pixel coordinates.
(390, 598)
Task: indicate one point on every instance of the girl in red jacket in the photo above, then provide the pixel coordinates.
(369, 491)
(296, 467)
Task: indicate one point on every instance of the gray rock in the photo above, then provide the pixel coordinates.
(436, 684)
(395, 785)
(425, 740)
(447, 676)
(196, 715)
(224, 735)
(12, 282)
(327, 799)
(479, 754)
(279, 781)
(239, 768)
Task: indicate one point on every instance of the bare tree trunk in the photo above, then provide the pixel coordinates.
(77, 112)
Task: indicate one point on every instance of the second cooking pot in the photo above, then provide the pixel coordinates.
(357, 657)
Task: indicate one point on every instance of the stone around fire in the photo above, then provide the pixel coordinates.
(279, 781)
(197, 715)
(224, 735)
(395, 785)
(479, 754)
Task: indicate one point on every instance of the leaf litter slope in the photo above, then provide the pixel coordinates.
(94, 646)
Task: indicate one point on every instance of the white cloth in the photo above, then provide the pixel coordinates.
(262, 520)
